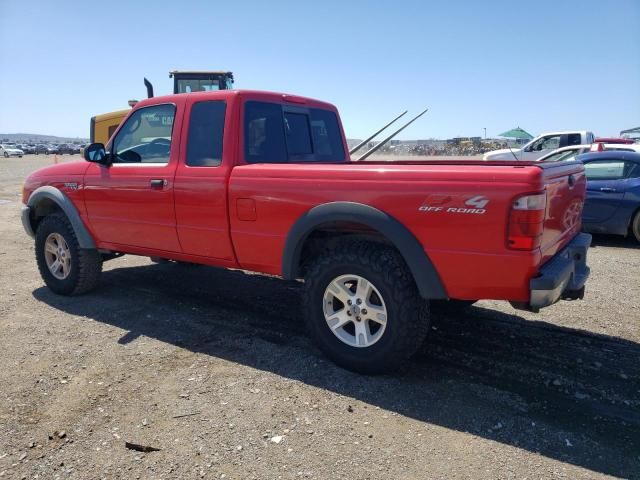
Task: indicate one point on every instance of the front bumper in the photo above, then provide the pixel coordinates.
(562, 277)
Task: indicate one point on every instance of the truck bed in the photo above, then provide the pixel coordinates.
(468, 247)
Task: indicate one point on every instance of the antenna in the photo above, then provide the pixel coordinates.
(514, 155)
(364, 142)
(365, 155)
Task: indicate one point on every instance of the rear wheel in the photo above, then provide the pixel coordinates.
(363, 309)
(6, 155)
(635, 226)
(66, 268)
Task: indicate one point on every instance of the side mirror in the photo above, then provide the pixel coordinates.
(96, 153)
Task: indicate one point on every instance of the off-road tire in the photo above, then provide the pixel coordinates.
(408, 313)
(86, 264)
(635, 226)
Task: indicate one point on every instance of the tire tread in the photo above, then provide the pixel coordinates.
(89, 264)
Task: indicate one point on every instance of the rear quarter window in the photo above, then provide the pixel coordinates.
(275, 133)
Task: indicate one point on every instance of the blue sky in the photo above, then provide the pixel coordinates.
(542, 65)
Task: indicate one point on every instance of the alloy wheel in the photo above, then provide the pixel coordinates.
(57, 255)
(355, 310)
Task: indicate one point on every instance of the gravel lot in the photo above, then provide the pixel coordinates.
(212, 367)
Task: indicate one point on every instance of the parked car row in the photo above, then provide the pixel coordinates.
(542, 145)
(18, 150)
(556, 146)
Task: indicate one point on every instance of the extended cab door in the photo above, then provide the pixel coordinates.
(130, 202)
(201, 179)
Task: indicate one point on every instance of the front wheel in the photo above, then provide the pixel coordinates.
(6, 155)
(66, 268)
(363, 309)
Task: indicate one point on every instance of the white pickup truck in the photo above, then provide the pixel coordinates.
(541, 145)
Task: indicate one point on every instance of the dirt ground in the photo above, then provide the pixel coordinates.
(213, 368)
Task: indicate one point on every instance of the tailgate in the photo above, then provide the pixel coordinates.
(565, 185)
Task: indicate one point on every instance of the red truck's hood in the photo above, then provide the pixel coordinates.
(54, 175)
(76, 167)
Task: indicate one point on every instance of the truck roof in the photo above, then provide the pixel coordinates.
(253, 94)
(566, 132)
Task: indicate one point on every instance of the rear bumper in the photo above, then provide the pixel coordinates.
(562, 277)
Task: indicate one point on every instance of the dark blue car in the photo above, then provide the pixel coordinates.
(613, 193)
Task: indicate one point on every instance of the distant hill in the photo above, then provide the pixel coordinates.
(38, 138)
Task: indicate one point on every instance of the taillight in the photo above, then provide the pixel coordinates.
(526, 222)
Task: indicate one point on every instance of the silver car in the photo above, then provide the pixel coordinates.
(10, 150)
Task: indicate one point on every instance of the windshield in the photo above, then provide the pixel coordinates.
(560, 156)
(187, 86)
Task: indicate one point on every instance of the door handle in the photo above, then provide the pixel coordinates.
(158, 183)
(608, 190)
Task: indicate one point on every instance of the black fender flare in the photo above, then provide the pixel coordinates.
(85, 240)
(424, 273)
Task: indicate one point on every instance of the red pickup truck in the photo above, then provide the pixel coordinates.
(264, 182)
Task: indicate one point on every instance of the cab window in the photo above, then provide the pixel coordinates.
(608, 169)
(264, 133)
(574, 139)
(146, 136)
(206, 130)
(546, 143)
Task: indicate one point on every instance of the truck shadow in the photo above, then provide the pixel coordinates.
(615, 241)
(563, 393)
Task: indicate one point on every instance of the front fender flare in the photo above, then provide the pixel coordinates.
(424, 273)
(85, 240)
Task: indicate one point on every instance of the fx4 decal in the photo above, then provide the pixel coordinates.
(475, 205)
